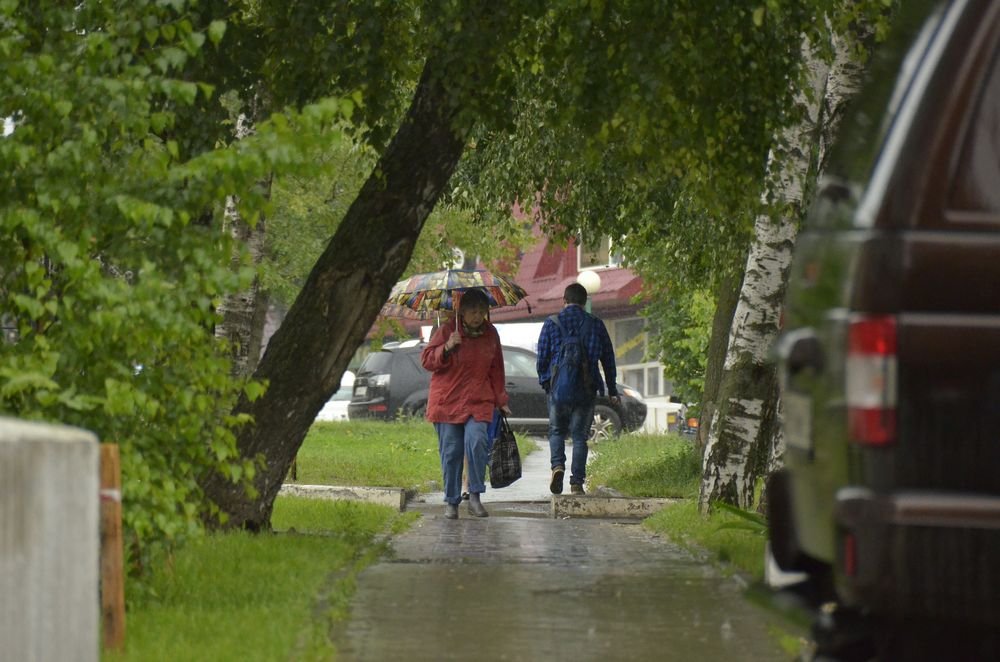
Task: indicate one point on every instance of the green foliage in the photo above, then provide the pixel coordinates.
(745, 520)
(647, 466)
(307, 208)
(112, 264)
(656, 132)
(681, 337)
(235, 596)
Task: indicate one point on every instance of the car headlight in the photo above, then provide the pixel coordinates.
(632, 393)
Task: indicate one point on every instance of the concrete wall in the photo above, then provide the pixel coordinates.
(49, 543)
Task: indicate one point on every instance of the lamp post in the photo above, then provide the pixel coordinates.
(591, 282)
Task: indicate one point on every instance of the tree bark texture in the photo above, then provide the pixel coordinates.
(745, 441)
(725, 305)
(342, 297)
(243, 313)
(744, 423)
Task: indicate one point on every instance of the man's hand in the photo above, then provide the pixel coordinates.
(545, 386)
(615, 400)
(506, 410)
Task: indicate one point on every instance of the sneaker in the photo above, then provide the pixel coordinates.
(451, 511)
(556, 484)
(576, 489)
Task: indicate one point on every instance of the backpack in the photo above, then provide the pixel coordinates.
(571, 379)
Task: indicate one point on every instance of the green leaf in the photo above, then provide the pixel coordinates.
(216, 30)
(27, 381)
(254, 389)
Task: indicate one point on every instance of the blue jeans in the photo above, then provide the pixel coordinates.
(456, 441)
(574, 421)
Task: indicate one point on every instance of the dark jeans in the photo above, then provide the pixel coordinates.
(575, 422)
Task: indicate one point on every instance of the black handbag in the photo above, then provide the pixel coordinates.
(505, 460)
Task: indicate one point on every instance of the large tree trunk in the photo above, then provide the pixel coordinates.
(243, 313)
(726, 299)
(745, 440)
(306, 357)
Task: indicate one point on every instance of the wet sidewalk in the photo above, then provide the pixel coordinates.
(517, 587)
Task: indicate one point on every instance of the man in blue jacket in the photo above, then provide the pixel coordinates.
(574, 415)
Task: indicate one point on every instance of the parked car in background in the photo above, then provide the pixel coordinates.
(335, 408)
(391, 382)
(890, 357)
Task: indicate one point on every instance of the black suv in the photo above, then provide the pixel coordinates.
(890, 357)
(391, 382)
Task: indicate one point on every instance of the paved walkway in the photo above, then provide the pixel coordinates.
(521, 586)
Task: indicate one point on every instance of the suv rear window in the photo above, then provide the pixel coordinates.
(979, 166)
(377, 362)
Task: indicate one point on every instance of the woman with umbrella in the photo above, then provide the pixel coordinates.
(467, 383)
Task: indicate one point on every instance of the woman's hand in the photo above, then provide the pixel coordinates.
(453, 341)
(506, 410)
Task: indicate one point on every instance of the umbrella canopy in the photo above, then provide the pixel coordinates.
(424, 296)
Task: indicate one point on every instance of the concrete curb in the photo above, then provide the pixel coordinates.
(606, 507)
(393, 497)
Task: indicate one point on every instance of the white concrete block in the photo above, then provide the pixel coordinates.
(49, 543)
(393, 497)
(569, 505)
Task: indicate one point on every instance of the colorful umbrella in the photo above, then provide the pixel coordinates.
(424, 296)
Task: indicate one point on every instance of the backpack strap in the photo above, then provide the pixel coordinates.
(582, 332)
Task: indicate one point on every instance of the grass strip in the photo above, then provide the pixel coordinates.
(371, 453)
(646, 465)
(238, 596)
(376, 454)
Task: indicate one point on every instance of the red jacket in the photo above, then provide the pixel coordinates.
(468, 382)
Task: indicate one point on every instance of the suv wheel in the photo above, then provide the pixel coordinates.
(607, 424)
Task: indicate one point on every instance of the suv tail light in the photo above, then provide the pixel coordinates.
(871, 380)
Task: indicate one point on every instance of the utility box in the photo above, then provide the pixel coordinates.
(49, 543)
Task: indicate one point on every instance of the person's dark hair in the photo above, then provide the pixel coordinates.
(474, 299)
(575, 293)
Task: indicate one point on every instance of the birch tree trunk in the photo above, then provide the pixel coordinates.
(243, 313)
(744, 440)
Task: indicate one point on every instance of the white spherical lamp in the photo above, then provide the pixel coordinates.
(590, 280)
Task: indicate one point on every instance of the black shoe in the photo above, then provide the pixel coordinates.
(576, 489)
(465, 496)
(451, 511)
(476, 507)
(556, 484)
